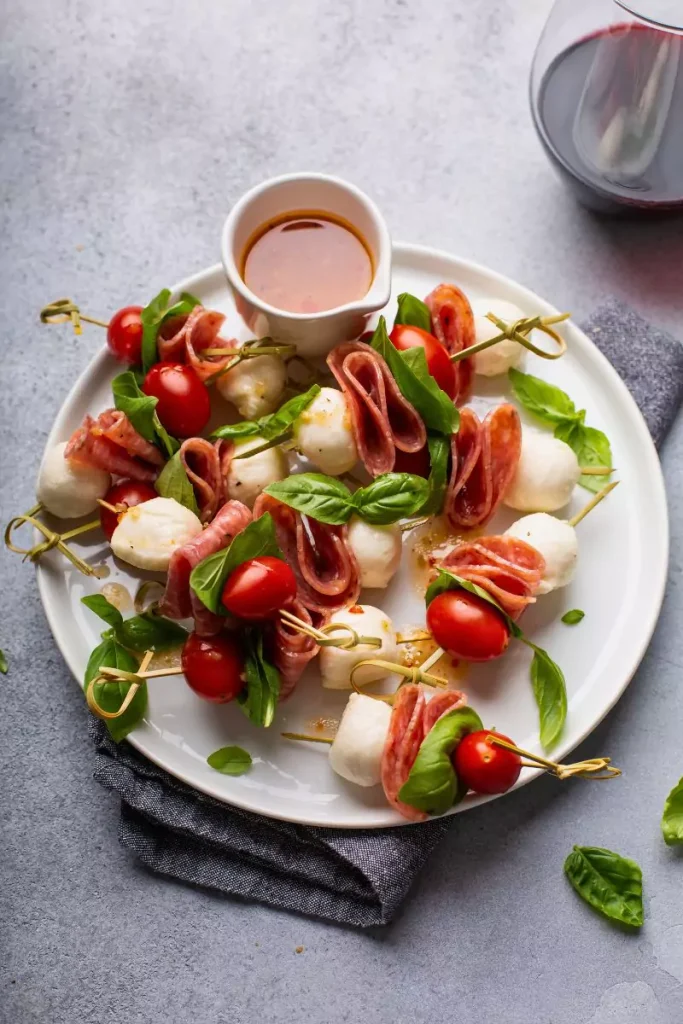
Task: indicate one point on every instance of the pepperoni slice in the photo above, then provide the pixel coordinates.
(506, 567)
(292, 651)
(406, 732)
(453, 325)
(202, 463)
(485, 457)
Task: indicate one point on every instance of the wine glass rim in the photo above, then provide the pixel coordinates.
(664, 20)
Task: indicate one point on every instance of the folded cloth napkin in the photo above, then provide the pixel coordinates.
(353, 877)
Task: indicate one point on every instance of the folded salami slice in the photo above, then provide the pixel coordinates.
(453, 325)
(292, 651)
(506, 567)
(183, 338)
(485, 457)
(179, 601)
(412, 718)
(202, 463)
(326, 570)
(111, 443)
(382, 419)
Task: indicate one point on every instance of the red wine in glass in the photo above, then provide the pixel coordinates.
(609, 112)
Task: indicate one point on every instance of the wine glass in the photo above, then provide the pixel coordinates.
(606, 96)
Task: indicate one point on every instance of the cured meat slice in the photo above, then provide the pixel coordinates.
(171, 339)
(382, 419)
(179, 601)
(439, 705)
(326, 570)
(453, 325)
(406, 732)
(506, 567)
(111, 443)
(292, 651)
(485, 457)
(183, 338)
(202, 462)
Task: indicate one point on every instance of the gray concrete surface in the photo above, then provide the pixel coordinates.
(127, 131)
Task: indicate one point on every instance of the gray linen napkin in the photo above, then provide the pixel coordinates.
(353, 877)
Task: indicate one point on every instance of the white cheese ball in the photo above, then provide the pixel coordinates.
(377, 549)
(148, 534)
(356, 753)
(247, 478)
(546, 474)
(556, 540)
(336, 664)
(323, 433)
(254, 386)
(499, 358)
(69, 489)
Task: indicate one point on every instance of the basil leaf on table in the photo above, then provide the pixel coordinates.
(148, 632)
(432, 785)
(612, 884)
(413, 311)
(391, 497)
(416, 383)
(173, 482)
(110, 695)
(572, 617)
(3, 662)
(259, 699)
(591, 447)
(141, 411)
(154, 314)
(439, 453)
(230, 760)
(322, 497)
(274, 425)
(672, 818)
(98, 604)
(208, 578)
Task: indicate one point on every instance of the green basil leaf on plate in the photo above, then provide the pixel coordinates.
(672, 818)
(141, 411)
(591, 447)
(237, 431)
(259, 699)
(3, 663)
(391, 497)
(313, 494)
(413, 311)
(173, 482)
(154, 314)
(571, 618)
(416, 383)
(545, 401)
(149, 632)
(98, 604)
(277, 424)
(432, 785)
(230, 760)
(612, 884)
(208, 578)
(550, 691)
(439, 454)
(111, 695)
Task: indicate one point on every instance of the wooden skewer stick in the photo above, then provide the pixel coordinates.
(600, 496)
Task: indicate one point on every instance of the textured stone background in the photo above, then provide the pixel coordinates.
(128, 129)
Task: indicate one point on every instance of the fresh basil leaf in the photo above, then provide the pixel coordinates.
(149, 632)
(416, 383)
(321, 497)
(168, 443)
(98, 604)
(439, 453)
(432, 785)
(141, 411)
(111, 695)
(413, 311)
(279, 422)
(259, 699)
(550, 691)
(571, 618)
(391, 497)
(173, 482)
(3, 662)
(208, 578)
(672, 818)
(230, 760)
(591, 447)
(543, 400)
(234, 431)
(154, 314)
(612, 884)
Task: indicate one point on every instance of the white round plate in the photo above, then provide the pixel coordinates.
(619, 585)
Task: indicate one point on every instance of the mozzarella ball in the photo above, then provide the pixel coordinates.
(148, 534)
(254, 386)
(247, 478)
(546, 474)
(356, 753)
(499, 358)
(323, 433)
(556, 540)
(336, 664)
(69, 489)
(377, 549)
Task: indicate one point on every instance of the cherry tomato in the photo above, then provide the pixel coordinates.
(467, 626)
(128, 493)
(124, 335)
(483, 766)
(439, 365)
(213, 666)
(259, 587)
(413, 462)
(184, 405)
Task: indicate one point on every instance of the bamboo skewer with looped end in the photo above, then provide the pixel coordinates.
(52, 540)
(106, 674)
(518, 331)
(589, 769)
(322, 637)
(249, 350)
(61, 311)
